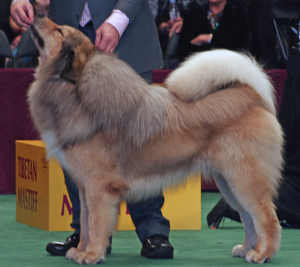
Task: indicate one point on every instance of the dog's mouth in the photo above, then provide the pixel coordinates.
(35, 33)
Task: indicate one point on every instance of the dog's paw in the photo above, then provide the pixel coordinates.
(239, 251)
(89, 258)
(72, 253)
(255, 257)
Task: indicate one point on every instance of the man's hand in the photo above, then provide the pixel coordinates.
(165, 26)
(107, 38)
(16, 42)
(22, 13)
(176, 27)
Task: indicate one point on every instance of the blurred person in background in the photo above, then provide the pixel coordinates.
(215, 24)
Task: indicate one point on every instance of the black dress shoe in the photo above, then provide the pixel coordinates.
(57, 248)
(221, 210)
(157, 247)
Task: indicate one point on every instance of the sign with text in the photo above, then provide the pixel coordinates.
(42, 199)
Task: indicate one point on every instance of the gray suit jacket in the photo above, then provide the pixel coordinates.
(139, 45)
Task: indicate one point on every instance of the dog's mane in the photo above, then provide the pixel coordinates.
(121, 100)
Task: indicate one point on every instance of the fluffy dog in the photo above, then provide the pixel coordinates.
(121, 138)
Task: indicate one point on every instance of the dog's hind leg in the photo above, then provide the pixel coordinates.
(250, 234)
(269, 234)
(263, 232)
(247, 159)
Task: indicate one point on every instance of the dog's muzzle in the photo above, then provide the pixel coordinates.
(41, 15)
(35, 34)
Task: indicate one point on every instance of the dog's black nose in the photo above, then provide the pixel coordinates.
(41, 15)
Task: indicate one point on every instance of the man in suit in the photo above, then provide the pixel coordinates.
(128, 29)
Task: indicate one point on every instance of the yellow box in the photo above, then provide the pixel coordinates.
(42, 199)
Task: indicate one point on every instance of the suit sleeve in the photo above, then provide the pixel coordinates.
(130, 8)
(31, 1)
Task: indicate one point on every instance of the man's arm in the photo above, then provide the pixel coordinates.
(130, 8)
(109, 33)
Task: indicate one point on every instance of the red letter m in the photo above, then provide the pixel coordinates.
(67, 203)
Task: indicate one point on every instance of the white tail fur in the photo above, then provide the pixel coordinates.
(206, 72)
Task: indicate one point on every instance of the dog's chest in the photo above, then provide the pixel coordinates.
(54, 150)
(41, 110)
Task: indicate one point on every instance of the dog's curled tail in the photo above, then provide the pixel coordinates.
(206, 72)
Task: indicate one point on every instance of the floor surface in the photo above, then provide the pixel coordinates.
(22, 245)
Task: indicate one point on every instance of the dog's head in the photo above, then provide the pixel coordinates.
(66, 46)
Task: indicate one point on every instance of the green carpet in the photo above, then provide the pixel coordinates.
(22, 245)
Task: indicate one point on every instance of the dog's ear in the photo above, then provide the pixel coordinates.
(72, 68)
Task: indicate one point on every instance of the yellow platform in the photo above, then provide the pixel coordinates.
(42, 199)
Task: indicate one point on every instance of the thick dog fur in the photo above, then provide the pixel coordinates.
(121, 138)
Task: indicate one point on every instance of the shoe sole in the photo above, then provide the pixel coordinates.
(53, 251)
(159, 254)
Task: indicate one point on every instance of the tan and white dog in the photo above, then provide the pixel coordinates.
(121, 138)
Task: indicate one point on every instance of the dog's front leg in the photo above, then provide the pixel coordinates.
(74, 252)
(102, 201)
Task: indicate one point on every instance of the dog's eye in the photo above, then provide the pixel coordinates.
(59, 29)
